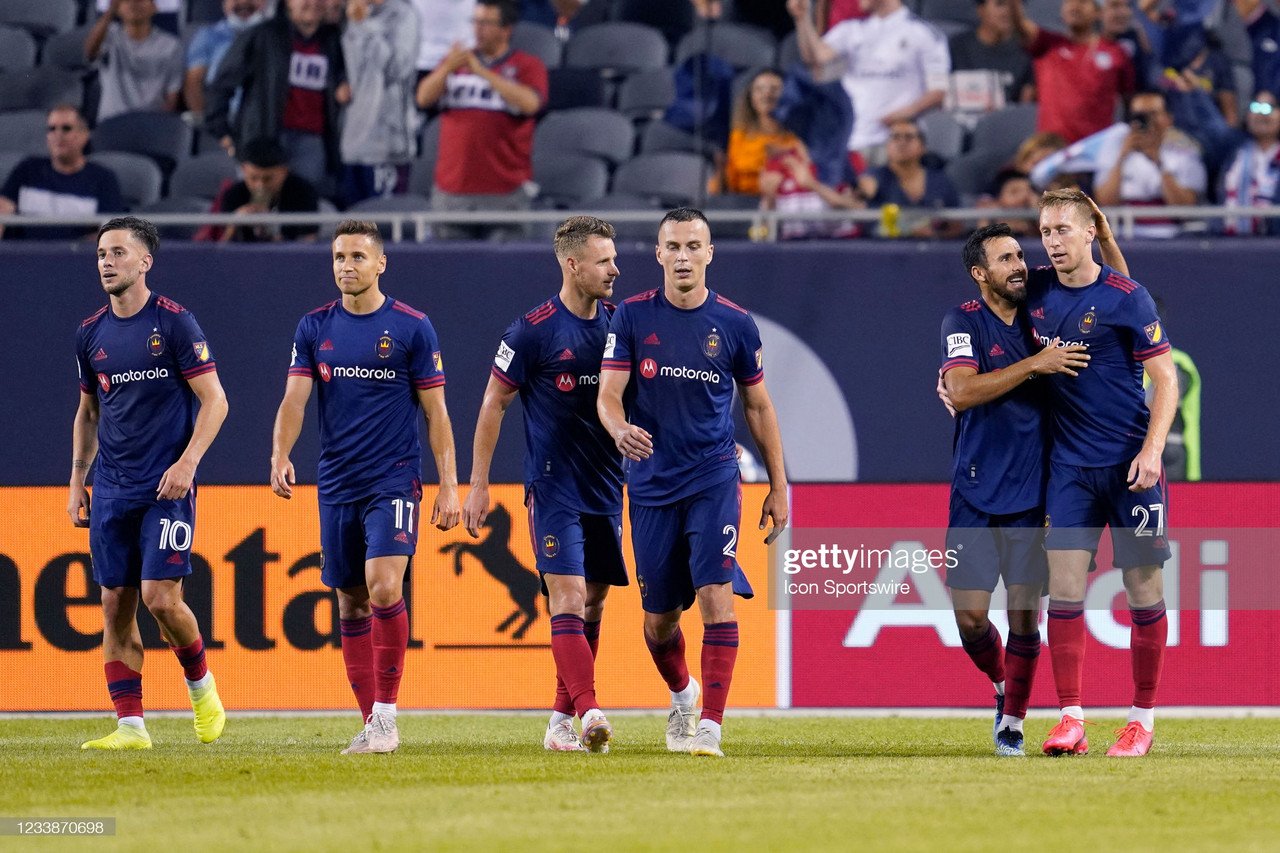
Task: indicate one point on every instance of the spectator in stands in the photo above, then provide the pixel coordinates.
(62, 184)
(1013, 191)
(1155, 165)
(789, 184)
(755, 133)
(442, 24)
(549, 13)
(989, 68)
(210, 43)
(489, 97)
(1117, 25)
(1199, 52)
(267, 187)
(333, 12)
(380, 46)
(893, 66)
(905, 180)
(1080, 76)
(291, 75)
(1253, 177)
(1035, 148)
(832, 12)
(168, 13)
(139, 65)
(1263, 26)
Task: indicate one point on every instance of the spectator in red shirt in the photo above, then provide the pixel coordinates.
(489, 97)
(1081, 77)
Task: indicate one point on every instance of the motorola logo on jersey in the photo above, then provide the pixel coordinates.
(108, 383)
(648, 368)
(566, 382)
(381, 373)
(1046, 340)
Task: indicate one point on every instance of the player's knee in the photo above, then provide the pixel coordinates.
(973, 624)
(660, 627)
(385, 592)
(567, 601)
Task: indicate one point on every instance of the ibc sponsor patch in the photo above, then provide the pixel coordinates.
(504, 356)
(958, 345)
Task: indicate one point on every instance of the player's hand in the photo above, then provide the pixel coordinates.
(446, 511)
(78, 505)
(1144, 470)
(357, 10)
(634, 443)
(342, 94)
(1100, 223)
(176, 482)
(282, 478)
(775, 508)
(799, 8)
(476, 509)
(1061, 359)
(473, 63)
(944, 395)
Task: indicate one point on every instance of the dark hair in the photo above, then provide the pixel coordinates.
(359, 227)
(974, 253)
(142, 230)
(744, 113)
(265, 152)
(572, 234)
(64, 107)
(1005, 176)
(684, 214)
(1149, 93)
(507, 11)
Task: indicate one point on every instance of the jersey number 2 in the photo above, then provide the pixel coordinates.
(731, 547)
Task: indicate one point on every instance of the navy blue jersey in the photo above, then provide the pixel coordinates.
(999, 449)
(139, 369)
(370, 367)
(683, 363)
(553, 357)
(1099, 417)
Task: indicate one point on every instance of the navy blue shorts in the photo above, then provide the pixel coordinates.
(686, 545)
(569, 542)
(1081, 501)
(141, 540)
(989, 547)
(385, 525)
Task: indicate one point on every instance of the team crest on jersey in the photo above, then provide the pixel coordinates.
(1155, 334)
(326, 373)
(201, 349)
(648, 368)
(155, 345)
(1048, 521)
(437, 361)
(566, 382)
(1087, 322)
(385, 346)
(711, 346)
(644, 590)
(550, 545)
(105, 382)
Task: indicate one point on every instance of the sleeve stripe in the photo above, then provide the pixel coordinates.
(502, 377)
(199, 370)
(301, 371)
(754, 379)
(430, 382)
(953, 363)
(1143, 355)
(85, 388)
(615, 364)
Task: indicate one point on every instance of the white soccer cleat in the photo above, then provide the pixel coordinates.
(359, 743)
(706, 743)
(596, 731)
(562, 738)
(682, 722)
(379, 735)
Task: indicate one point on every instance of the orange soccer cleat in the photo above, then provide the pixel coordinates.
(1134, 741)
(1067, 738)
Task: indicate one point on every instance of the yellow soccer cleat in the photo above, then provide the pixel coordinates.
(211, 719)
(124, 737)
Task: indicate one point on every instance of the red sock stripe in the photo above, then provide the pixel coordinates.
(1148, 615)
(1148, 639)
(669, 658)
(721, 634)
(1066, 650)
(390, 611)
(389, 638)
(355, 627)
(357, 657)
(192, 659)
(719, 654)
(125, 687)
(1021, 656)
(567, 623)
(987, 654)
(1024, 645)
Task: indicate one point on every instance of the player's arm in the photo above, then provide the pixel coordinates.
(1026, 28)
(632, 441)
(1107, 245)
(176, 482)
(284, 435)
(446, 511)
(815, 52)
(968, 388)
(497, 399)
(84, 447)
(762, 421)
(1144, 471)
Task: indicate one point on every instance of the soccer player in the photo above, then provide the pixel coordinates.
(687, 346)
(1105, 466)
(150, 406)
(378, 362)
(997, 486)
(550, 357)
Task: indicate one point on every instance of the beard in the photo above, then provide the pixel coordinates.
(119, 286)
(1014, 297)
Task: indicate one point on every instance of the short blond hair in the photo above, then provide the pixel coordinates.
(1072, 197)
(573, 233)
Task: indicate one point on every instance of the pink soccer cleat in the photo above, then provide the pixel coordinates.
(1134, 741)
(1067, 738)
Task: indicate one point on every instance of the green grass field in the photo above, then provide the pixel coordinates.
(484, 782)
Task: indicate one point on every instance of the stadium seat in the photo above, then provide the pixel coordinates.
(616, 49)
(201, 12)
(24, 130)
(539, 41)
(645, 232)
(973, 172)
(9, 160)
(176, 204)
(66, 50)
(164, 137)
(730, 201)
(17, 49)
(139, 176)
(1046, 13)
(943, 135)
(646, 94)
(203, 175)
(594, 131)
(42, 18)
(568, 88)
(789, 51)
(661, 136)
(741, 45)
(422, 172)
(961, 11)
(569, 179)
(1002, 132)
(39, 89)
(1242, 75)
(670, 177)
(392, 204)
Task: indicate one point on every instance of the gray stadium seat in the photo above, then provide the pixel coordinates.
(8, 161)
(1004, 130)
(1242, 75)
(962, 11)
(24, 130)
(616, 48)
(568, 180)
(730, 201)
(539, 41)
(140, 178)
(568, 88)
(942, 133)
(66, 50)
(789, 51)
(176, 204)
(741, 45)
(39, 89)
(1046, 13)
(646, 94)
(17, 49)
(164, 137)
(422, 171)
(972, 173)
(594, 131)
(41, 18)
(661, 136)
(202, 176)
(671, 177)
(640, 232)
(370, 207)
